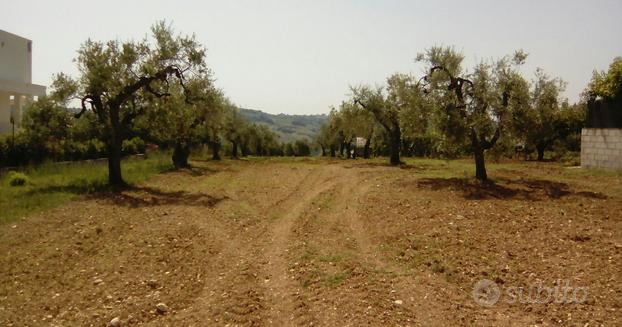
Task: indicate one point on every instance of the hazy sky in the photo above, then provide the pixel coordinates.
(300, 56)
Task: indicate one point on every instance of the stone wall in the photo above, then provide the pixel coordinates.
(601, 148)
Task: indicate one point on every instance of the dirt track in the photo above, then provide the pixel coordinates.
(314, 243)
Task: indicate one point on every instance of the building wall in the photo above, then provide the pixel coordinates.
(16, 88)
(15, 58)
(5, 112)
(601, 148)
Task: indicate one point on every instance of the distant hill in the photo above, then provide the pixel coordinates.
(289, 127)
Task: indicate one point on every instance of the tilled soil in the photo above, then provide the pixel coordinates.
(328, 243)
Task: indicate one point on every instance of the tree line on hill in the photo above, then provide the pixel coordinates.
(290, 127)
(490, 110)
(154, 91)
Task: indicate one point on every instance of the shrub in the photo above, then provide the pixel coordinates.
(302, 148)
(19, 151)
(504, 148)
(17, 179)
(95, 149)
(133, 146)
(289, 150)
(571, 158)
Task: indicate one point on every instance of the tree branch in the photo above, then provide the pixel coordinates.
(489, 144)
(379, 119)
(145, 82)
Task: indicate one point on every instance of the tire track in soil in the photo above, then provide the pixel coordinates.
(234, 293)
(250, 285)
(367, 294)
(383, 280)
(286, 305)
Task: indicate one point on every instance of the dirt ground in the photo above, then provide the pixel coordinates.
(322, 243)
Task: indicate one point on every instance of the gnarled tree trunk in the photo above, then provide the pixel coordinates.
(259, 150)
(540, 147)
(348, 147)
(234, 149)
(115, 177)
(395, 137)
(180, 156)
(480, 165)
(215, 147)
(115, 144)
(244, 149)
(479, 144)
(366, 149)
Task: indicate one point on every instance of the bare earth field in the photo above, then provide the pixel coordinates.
(326, 243)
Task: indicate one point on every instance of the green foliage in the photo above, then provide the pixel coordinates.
(261, 141)
(133, 146)
(23, 150)
(447, 57)
(160, 90)
(386, 108)
(95, 149)
(46, 121)
(302, 148)
(453, 111)
(568, 126)
(289, 150)
(120, 81)
(534, 123)
(17, 179)
(607, 85)
(157, 89)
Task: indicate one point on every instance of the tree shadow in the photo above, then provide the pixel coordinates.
(194, 171)
(133, 196)
(504, 188)
(385, 165)
(143, 196)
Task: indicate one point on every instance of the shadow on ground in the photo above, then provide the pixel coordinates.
(195, 171)
(135, 197)
(386, 165)
(504, 188)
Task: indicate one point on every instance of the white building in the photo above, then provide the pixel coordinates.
(16, 88)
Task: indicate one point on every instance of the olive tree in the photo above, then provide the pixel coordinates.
(536, 123)
(386, 114)
(179, 119)
(119, 79)
(607, 85)
(214, 128)
(47, 122)
(356, 122)
(335, 131)
(474, 108)
(235, 128)
(323, 138)
(403, 94)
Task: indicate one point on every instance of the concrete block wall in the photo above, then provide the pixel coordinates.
(601, 148)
